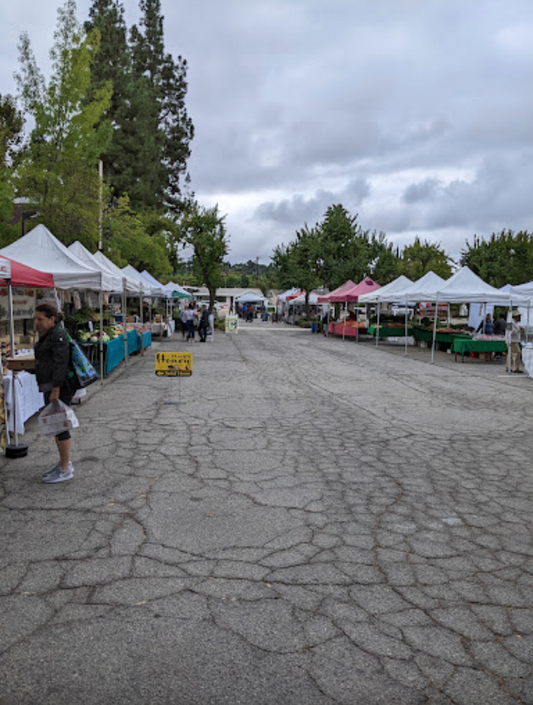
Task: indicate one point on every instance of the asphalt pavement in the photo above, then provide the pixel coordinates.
(303, 521)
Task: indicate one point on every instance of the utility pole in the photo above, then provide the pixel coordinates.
(101, 177)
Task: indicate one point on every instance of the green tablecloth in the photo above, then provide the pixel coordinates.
(427, 335)
(386, 332)
(463, 346)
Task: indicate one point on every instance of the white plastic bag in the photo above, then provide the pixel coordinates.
(56, 418)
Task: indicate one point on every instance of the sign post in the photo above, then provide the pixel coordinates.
(173, 364)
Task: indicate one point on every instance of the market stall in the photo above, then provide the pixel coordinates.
(137, 339)
(345, 294)
(465, 346)
(40, 249)
(14, 273)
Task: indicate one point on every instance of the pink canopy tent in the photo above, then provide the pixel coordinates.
(352, 295)
(326, 299)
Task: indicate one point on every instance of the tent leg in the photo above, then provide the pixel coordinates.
(13, 450)
(434, 330)
(124, 316)
(101, 334)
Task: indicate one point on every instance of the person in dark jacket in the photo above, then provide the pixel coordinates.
(55, 379)
(203, 324)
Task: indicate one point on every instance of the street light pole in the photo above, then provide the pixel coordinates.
(26, 215)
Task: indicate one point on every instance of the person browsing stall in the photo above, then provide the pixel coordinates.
(203, 324)
(486, 326)
(500, 326)
(55, 380)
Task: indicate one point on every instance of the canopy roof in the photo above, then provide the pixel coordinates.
(111, 281)
(147, 288)
(132, 285)
(177, 291)
(41, 250)
(422, 289)
(169, 290)
(462, 287)
(314, 299)
(250, 298)
(523, 290)
(290, 292)
(391, 288)
(466, 287)
(350, 295)
(22, 275)
(326, 298)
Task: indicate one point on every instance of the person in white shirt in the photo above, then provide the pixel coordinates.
(190, 315)
(513, 341)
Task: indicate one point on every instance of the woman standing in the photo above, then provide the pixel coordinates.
(55, 380)
(190, 315)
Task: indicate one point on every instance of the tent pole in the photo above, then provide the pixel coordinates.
(405, 330)
(377, 326)
(509, 320)
(434, 329)
(124, 316)
(12, 344)
(344, 320)
(100, 337)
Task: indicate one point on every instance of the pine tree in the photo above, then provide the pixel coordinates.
(168, 79)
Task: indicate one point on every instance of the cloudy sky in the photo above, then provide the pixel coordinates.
(415, 114)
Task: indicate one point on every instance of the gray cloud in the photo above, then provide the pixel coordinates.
(416, 115)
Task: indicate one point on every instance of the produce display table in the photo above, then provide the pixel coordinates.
(427, 336)
(386, 332)
(460, 346)
(114, 349)
(347, 331)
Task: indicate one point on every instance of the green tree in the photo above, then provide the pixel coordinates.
(167, 81)
(422, 257)
(505, 258)
(203, 230)
(383, 264)
(343, 247)
(136, 239)
(11, 126)
(57, 172)
(299, 263)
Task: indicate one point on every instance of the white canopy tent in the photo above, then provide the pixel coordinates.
(41, 250)
(250, 298)
(402, 282)
(82, 253)
(119, 282)
(379, 295)
(153, 281)
(422, 289)
(132, 285)
(146, 287)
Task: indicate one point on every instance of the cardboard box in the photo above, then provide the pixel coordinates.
(21, 362)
